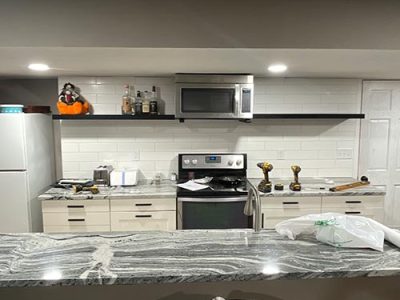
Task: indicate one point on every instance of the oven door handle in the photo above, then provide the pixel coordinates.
(212, 199)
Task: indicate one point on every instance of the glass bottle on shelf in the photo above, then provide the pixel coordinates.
(138, 104)
(146, 103)
(126, 107)
(153, 102)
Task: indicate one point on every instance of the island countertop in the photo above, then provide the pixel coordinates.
(192, 256)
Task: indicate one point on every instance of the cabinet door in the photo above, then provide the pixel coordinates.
(140, 221)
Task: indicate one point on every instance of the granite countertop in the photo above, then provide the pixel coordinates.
(167, 189)
(36, 259)
(320, 187)
(144, 189)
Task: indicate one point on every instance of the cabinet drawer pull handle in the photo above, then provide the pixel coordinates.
(76, 206)
(76, 220)
(353, 201)
(143, 204)
(290, 202)
(143, 216)
(352, 213)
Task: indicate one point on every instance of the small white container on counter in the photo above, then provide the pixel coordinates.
(123, 177)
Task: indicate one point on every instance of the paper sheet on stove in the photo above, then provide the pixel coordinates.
(192, 186)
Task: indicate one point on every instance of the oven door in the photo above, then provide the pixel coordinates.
(214, 101)
(212, 213)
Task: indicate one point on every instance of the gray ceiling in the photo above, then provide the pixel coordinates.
(161, 61)
(302, 24)
(316, 38)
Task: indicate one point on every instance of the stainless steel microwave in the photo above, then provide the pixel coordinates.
(214, 96)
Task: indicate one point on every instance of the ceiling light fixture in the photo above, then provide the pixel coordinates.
(277, 68)
(38, 67)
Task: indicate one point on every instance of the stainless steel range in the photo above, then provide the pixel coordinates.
(221, 204)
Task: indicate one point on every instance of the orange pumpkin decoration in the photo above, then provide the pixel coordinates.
(70, 102)
(77, 108)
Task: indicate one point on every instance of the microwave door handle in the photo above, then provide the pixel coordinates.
(237, 100)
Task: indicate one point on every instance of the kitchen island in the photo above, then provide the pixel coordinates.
(189, 265)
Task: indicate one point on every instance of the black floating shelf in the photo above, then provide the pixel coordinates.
(172, 117)
(113, 117)
(309, 116)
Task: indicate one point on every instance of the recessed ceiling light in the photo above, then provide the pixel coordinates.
(277, 68)
(38, 67)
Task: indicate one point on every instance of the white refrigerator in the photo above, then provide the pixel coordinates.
(27, 168)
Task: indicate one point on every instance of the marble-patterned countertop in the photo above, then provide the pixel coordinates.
(320, 187)
(145, 189)
(190, 256)
(167, 189)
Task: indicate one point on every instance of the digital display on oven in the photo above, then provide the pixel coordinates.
(213, 159)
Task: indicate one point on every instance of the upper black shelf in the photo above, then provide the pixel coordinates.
(113, 117)
(172, 117)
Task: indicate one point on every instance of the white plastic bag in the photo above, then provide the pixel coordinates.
(340, 230)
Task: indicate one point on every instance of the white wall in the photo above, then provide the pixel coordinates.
(152, 146)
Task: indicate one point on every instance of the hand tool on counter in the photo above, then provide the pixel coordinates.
(363, 181)
(265, 185)
(295, 185)
(79, 188)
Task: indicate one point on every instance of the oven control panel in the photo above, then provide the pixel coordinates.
(213, 161)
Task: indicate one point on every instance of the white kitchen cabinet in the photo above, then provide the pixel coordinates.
(368, 206)
(76, 215)
(277, 209)
(109, 215)
(143, 214)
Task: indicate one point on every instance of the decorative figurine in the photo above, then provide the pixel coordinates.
(265, 185)
(295, 186)
(70, 102)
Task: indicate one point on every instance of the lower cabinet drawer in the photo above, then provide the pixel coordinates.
(352, 201)
(271, 217)
(76, 218)
(125, 205)
(75, 206)
(139, 221)
(291, 202)
(76, 228)
(373, 213)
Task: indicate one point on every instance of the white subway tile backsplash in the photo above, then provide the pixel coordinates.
(157, 156)
(108, 99)
(80, 157)
(70, 147)
(106, 109)
(97, 147)
(153, 146)
(88, 166)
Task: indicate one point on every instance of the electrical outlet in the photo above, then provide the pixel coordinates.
(344, 153)
(281, 154)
